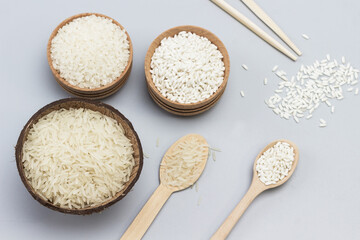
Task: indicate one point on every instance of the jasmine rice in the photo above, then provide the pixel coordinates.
(90, 52)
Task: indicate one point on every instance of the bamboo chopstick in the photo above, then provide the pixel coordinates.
(253, 27)
(270, 23)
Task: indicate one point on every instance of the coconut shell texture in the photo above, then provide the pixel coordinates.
(95, 106)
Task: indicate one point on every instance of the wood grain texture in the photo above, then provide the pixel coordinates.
(170, 33)
(95, 93)
(253, 27)
(95, 106)
(184, 112)
(97, 96)
(224, 230)
(255, 189)
(146, 216)
(260, 13)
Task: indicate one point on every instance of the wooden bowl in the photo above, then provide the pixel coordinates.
(170, 33)
(95, 93)
(95, 106)
(96, 96)
(184, 112)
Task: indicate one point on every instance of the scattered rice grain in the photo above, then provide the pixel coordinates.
(305, 36)
(318, 83)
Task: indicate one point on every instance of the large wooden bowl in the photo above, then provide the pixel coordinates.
(95, 93)
(170, 33)
(95, 106)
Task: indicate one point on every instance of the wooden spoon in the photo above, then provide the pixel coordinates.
(150, 210)
(255, 189)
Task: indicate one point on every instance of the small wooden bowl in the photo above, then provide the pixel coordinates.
(95, 93)
(96, 96)
(170, 33)
(184, 112)
(95, 106)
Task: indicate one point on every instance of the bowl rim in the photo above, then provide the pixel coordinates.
(88, 210)
(76, 88)
(170, 33)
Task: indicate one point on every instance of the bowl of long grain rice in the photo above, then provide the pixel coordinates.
(90, 55)
(186, 70)
(78, 156)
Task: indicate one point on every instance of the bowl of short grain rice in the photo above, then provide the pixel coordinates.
(90, 55)
(78, 156)
(186, 68)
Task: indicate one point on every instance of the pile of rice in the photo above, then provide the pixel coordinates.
(187, 68)
(90, 52)
(183, 164)
(323, 82)
(275, 163)
(77, 158)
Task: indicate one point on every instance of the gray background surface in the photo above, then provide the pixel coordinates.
(320, 201)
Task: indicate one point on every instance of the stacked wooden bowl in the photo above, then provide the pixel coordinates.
(94, 93)
(191, 108)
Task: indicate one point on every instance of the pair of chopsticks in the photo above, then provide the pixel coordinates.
(257, 30)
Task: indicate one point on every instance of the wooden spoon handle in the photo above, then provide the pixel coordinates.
(146, 216)
(235, 215)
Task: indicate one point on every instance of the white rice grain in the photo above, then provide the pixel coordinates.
(90, 52)
(215, 149)
(305, 36)
(199, 201)
(321, 82)
(275, 163)
(187, 68)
